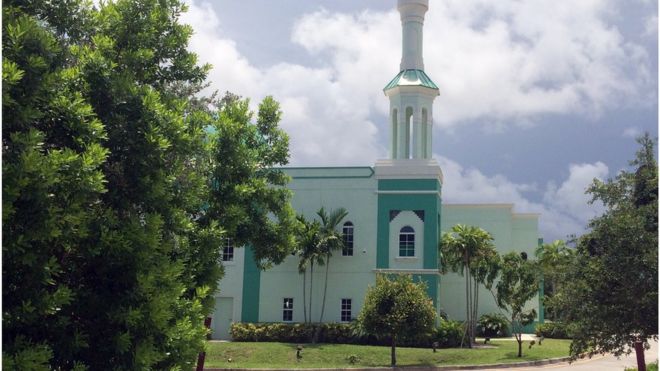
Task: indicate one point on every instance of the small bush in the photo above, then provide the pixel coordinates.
(649, 367)
(353, 359)
(553, 330)
(448, 334)
(492, 325)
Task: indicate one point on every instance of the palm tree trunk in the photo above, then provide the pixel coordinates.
(311, 289)
(475, 312)
(466, 263)
(304, 294)
(468, 307)
(325, 288)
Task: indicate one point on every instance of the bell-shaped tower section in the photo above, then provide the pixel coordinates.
(411, 91)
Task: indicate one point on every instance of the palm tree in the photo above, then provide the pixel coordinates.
(308, 252)
(554, 259)
(470, 251)
(330, 240)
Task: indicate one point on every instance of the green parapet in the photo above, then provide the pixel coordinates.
(251, 288)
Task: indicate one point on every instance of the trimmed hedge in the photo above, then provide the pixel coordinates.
(553, 330)
(340, 333)
(448, 334)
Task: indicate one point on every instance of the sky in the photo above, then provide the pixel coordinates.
(537, 97)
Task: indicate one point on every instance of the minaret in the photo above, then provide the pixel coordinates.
(411, 92)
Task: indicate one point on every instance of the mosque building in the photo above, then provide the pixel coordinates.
(394, 224)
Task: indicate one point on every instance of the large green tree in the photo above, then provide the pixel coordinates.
(111, 186)
(611, 294)
(470, 251)
(105, 259)
(397, 308)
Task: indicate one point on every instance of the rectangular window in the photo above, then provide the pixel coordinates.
(228, 250)
(348, 239)
(346, 310)
(287, 310)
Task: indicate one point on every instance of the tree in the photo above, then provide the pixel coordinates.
(611, 293)
(111, 224)
(308, 252)
(330, 240)
(517, 285)
(396, 308)
(554, 259)
(470, 251)
(249, 197)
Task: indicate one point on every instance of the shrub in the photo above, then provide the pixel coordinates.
(554, 330)
(448, 334)
(492, 325)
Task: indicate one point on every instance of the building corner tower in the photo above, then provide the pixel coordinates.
(409, 182)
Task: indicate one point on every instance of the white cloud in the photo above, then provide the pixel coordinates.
(651, 26)
(632, 132)
(564, 211)
(506, 60)
(570, 197)
(326, 125)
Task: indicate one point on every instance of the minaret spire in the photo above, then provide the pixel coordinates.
(412, 24)
(411, 92)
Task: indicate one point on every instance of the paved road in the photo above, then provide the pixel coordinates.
(600, 363)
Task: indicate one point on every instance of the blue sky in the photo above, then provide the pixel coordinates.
(537, 97)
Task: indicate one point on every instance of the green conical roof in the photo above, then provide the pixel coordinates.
(411, 78)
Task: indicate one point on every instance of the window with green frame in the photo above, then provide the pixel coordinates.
(407, 242)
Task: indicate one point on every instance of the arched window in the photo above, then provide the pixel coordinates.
(407, 241)
(348, 239)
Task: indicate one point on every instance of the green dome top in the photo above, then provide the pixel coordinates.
(411, 78)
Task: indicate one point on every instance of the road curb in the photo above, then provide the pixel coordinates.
(541, 362)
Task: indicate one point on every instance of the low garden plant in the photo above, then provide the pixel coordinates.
(553, 330)
(493, 325)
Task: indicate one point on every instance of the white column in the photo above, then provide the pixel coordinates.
(429, 137)
(401, 146)
(417, 135)
(394, 121)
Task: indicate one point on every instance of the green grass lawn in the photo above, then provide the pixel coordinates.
(281, 355)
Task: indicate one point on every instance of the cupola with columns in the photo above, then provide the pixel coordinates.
(411, 91)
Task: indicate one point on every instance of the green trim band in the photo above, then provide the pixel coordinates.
(408, 185)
